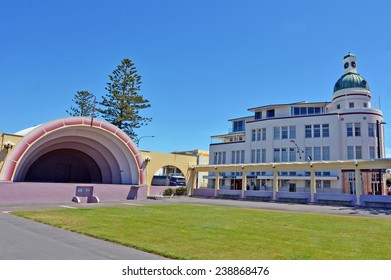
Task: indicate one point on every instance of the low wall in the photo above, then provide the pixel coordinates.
(204, 192)
(23, 192)
(336, 196)
(376, 200)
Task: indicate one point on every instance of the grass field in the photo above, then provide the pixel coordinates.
(215, 232)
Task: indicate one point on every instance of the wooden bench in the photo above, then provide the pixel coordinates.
(228, 196)
(335, 201)
(293, 199)
(378, 204)
(260, 197)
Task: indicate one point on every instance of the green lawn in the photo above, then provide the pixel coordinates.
(215, 232)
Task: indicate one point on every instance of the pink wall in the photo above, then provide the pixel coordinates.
(22, 192)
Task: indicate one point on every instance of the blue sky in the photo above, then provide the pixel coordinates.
(201, 62)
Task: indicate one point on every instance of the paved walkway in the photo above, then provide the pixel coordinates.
(24, 239)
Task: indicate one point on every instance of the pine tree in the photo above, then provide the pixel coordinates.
(84, 104)
(122, 103)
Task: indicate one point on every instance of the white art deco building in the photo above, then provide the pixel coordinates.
(346, 128)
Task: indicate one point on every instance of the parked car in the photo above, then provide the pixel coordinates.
(166, 180)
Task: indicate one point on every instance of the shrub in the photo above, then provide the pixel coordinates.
(168, 192)
(180, 191)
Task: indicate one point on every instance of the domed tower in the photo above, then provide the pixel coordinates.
(351, 91)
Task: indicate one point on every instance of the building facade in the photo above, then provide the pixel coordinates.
(346, 128)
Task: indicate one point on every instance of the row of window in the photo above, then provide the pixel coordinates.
(355, 152)
(303, 111)
(311, 153)
(295, 111)
(351, 105)
(269, 114)
(311, 131)
(290, 154)
(258, 134)
(354, 129)
(284, 132)
(317, 131)
(289, 132)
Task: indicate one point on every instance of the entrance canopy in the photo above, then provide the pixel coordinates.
(75, 149)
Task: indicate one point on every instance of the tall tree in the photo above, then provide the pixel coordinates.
(122, 104)
(84, 103)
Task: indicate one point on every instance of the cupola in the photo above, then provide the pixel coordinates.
(350, 78)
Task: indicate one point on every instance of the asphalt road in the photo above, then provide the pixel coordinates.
(22, 239)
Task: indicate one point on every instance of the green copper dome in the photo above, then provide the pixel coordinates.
(351, 80)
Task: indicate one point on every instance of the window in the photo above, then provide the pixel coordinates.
(372, 152)
(292, 132)
(317, 153)
(325, 130)
(316, 130)
(349, 129)
(238, 157)
(238, 126)
(270, 113)
(263, 134)
(308, 131)
(292, 154)
(365, 105)
(303, 111)
(263, 155)
(253, 156)
(233, 157)
(350, 152)
(253, 134)
(308, 153)
(326, 184)
(357, 129)
(219, 158)
(243, 160)
(276, 132)
(258, 155)
(284, 132)
(276, 155)
(338, 106)
(295, 111)
(371, 129)
(258, 115)
(284, 155)
(358, 152)
(326, 153)
(351, 104)
(224, 158)
(259, 134)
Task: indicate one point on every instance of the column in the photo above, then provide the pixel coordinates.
(191, 182)
(244, 182)
(217, 182)
(313, 185)
(358, 185)
(275, 184)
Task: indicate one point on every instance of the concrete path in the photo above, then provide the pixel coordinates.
(22, 239)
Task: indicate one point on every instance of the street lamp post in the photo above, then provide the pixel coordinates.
(378, 123)
(137, 139)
